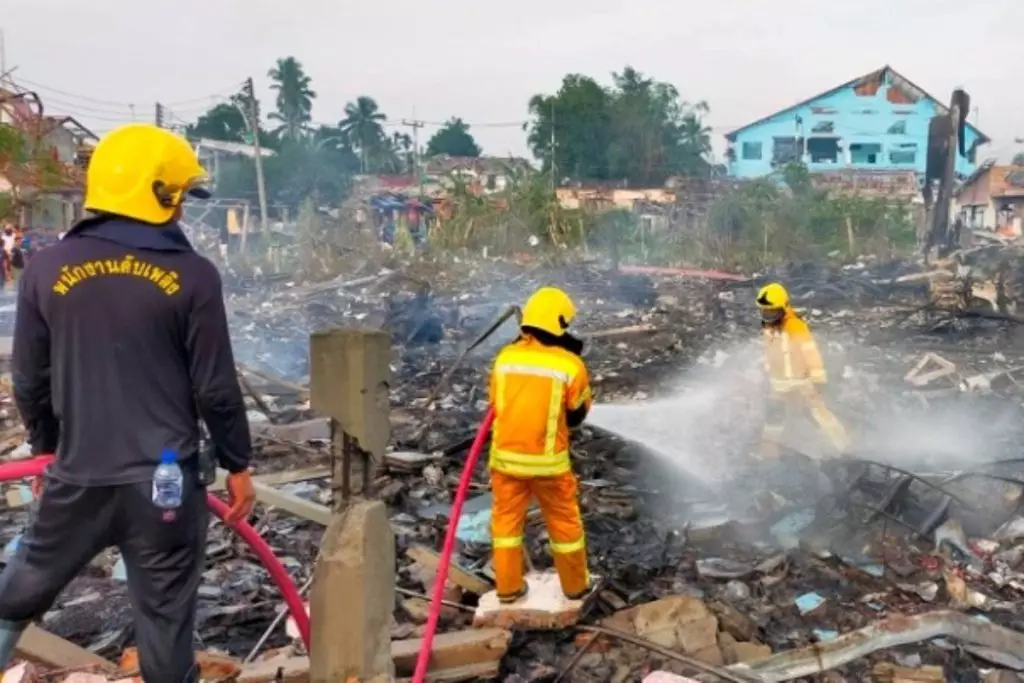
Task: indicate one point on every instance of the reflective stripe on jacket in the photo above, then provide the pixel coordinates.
(791, 356)
(532, 388)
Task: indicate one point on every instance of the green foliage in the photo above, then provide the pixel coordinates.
(1018, 159)
(294, 99)
(762, 222)
(363, 125)
(637, 130)
(453, 139)
(223, 122)
(505, 221)
(29, 167)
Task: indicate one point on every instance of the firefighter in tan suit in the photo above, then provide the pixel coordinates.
(795, 371)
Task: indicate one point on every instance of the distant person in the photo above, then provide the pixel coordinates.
(795, 371)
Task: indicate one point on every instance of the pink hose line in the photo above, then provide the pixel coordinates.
(23, 469)
(423, 659)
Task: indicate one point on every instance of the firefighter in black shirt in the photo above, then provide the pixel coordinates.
(120, 347)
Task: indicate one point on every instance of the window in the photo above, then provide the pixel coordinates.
(903, 157)
(823, 127)
(751, 151)
(492, 181)
(823, 150)
(898, 128)
(865, 153)
(786, 150)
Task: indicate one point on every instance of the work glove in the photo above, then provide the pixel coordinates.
(241, 497)
(37, 483)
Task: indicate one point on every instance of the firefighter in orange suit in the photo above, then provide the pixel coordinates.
(540, 390)
(795, 372)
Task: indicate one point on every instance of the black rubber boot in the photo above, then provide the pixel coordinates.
(582, 594)
(10, 632)
(513, 597)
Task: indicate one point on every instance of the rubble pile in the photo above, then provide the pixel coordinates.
(904, 562)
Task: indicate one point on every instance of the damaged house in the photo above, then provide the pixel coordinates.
(875, 124)
(993, 199)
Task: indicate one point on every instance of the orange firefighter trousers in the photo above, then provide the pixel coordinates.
(559, 505)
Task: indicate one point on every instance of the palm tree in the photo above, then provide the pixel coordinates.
(294, 98)
(363, 126)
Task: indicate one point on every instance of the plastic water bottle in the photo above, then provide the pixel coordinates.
(168, 481)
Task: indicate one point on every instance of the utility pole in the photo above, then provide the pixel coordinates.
(254, 130)
(416, 124)
(552, 146)
(159, 117)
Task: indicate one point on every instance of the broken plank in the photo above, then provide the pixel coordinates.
(470, 672)
(887, 672)
(458, 656)
(457, 575)
(292, 670)
(42, 647)
(471, 647)
(268, 495)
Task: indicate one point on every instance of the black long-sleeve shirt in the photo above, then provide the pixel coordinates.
(120, 346)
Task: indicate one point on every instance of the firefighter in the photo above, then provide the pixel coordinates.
(795, 371)
(120, 347)
(539, 389)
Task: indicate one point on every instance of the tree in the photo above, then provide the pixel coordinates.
(639, 130)
(363, 124)
(30, 168)
(222, 122)
(1018, 159)
(294, 98)
(453, 139)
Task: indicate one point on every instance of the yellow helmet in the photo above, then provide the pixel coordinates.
(143, 172)
(772, 295)
(549, 309)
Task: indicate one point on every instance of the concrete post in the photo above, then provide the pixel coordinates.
(353, 593)
(353, 597)
(349, 381)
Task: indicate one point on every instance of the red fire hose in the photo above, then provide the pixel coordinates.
(23, 469)
(423, 659)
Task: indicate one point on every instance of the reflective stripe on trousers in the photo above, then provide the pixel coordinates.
(559, 505)
(782, 404)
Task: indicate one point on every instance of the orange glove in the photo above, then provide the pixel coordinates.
(241, 497)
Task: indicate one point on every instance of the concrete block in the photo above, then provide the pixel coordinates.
(353, 596)
(666, 677)
(544, 607)
(23, 672)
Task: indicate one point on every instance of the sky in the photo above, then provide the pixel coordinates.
(107, 60)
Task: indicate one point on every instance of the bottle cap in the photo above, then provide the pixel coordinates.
(168, 457)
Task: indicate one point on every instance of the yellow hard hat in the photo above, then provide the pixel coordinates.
(549, 309)
(143, 172)
(773, 295)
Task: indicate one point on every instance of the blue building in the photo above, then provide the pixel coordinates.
(877, 122)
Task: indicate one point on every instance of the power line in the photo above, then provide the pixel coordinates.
(226, 92)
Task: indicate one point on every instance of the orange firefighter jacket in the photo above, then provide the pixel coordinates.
(791, 356)
(533, 389)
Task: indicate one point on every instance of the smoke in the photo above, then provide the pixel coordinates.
(706, 422)
(706, 433)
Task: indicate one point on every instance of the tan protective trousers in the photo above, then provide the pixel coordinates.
(784, 406)
(559, 505)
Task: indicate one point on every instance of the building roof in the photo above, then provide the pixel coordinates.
(1004, 181)
(444, 164)
(877, 74)
(70, 123)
